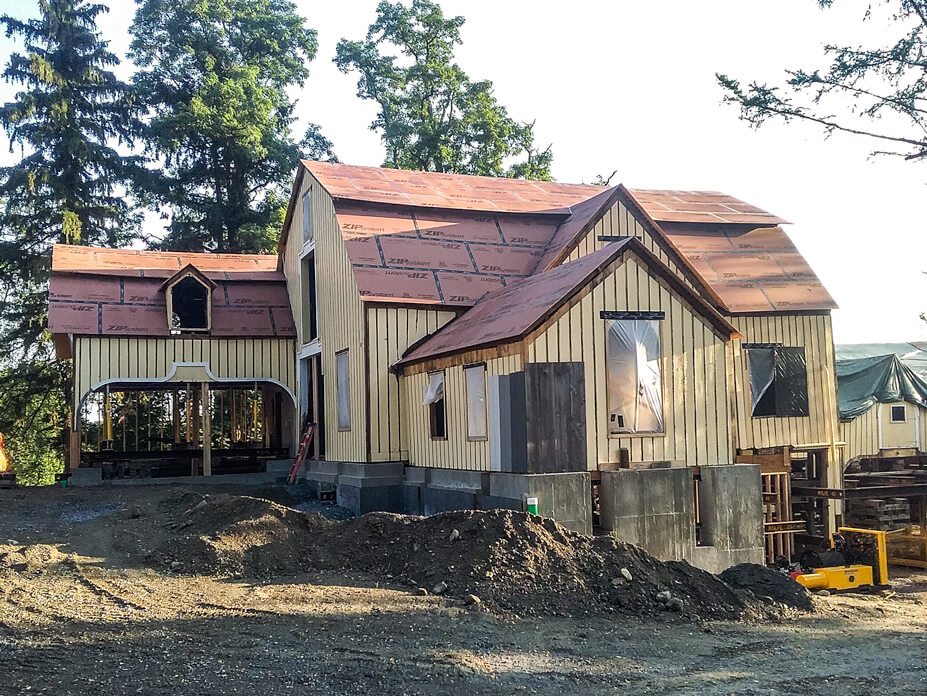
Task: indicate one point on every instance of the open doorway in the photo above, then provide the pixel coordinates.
(311, 400)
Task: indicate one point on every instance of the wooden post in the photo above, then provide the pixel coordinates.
(197, 400)
(187, 406)
(207, 430)
(175, 414)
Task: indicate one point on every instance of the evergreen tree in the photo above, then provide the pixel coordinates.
(215, 77)
(68, 186)
(432, 117)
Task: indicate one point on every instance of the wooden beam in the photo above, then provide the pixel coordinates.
(207, 430)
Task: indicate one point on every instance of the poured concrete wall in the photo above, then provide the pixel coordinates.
(731, 512)
(651, 508)
(655, 509)
(566, 497)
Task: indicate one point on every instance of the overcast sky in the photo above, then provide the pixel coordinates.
(629, 86)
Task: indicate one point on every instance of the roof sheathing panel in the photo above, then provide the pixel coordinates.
(450, 257)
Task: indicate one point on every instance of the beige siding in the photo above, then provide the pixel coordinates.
(99, 359)
(340, 317)
(697, 422)
(618, 221)
(862, 433)
(390, 331)
(456, 452)
(814, 333)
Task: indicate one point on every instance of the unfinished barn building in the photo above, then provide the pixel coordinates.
(183, 364)
(655, 363)
(470, 342)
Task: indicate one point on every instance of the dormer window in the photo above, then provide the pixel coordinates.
(189, 301)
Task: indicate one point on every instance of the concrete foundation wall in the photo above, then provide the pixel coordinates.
(655, 509)
(566, 497)
(651, 508)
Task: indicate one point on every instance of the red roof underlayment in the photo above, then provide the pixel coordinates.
(510, 313)
(446, 239)
(119, 292)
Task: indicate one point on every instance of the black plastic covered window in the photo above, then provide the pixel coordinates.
(778, 381)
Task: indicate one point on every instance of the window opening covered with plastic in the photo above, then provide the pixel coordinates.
(344, 390)
(778, 381)
(476, 401)
(635, 377)
(434, 401)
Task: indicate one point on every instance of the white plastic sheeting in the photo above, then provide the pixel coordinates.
(344, 390)
(476, 401)
(434, 390)
(635, 381)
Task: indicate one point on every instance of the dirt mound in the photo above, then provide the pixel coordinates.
(520, 562)
(234, 535)
(511, 560)
(32, 557)
(766, 582)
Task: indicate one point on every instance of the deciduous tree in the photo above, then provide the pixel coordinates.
(431, 116)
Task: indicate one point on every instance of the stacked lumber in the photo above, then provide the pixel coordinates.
(885, 514)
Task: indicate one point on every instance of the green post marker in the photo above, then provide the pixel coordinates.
(532, 505)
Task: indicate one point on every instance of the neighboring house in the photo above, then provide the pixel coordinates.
(153, 337)
(423, 293)
(883, 408)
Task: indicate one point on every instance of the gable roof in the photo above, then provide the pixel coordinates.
(512, 312)
(121, 292)
(451, 191)
(447, 239)
(188, 271)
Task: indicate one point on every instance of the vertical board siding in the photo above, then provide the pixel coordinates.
(695, 376)
(99, 358)
(814, 333)
(390, 331)
(456, 452)
(861, 434)
(618, 221)
(339, 316)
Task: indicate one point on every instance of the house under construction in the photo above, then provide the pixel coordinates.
(657, 363)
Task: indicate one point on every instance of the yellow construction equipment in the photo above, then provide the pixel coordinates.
(856, 560)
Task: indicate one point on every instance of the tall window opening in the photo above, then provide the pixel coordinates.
(475, 376)
(189, 306)
(307, 215)
(343, 388)
(309, 300)
(778, 381)
(434, 400)
(635, 377)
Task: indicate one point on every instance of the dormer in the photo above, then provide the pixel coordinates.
(189, 301)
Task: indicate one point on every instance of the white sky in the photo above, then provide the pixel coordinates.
(630, 86)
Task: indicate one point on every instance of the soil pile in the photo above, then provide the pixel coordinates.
(766, 582)
(510, 560)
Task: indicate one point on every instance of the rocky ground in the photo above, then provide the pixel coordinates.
(162, 590)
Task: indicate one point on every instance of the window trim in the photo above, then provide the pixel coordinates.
(169, 301)
(660, 318)
(904, 412)
(473, 366)
(338, 392)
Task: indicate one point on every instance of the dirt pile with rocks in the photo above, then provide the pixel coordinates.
(767, 584)
(510, 560)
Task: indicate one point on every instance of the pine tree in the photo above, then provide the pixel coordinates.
(215, 77)
(68, 186)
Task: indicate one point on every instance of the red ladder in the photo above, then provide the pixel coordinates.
(303, 452)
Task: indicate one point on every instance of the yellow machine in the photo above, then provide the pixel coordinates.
(856, 560)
